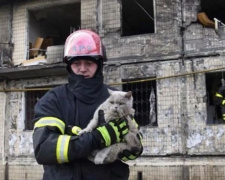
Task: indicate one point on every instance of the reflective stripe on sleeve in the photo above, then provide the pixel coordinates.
(51, 121)
(219, 95)
(223, 102)
(62, 148)
(224, 117)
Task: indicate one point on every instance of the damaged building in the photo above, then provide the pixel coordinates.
(169, 53)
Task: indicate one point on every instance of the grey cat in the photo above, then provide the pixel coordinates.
(119, 104)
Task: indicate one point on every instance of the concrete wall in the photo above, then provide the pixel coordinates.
(182, 106)
(165, 43)
(19, 142)
(180, 48)
(18, 147)
(2, 130)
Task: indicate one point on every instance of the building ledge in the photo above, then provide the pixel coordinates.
(25, 72)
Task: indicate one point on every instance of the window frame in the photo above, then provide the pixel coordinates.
(29, 111)
(213, 82)
(137, 91)
(146, 15)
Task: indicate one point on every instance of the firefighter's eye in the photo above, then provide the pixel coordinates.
(76, 63)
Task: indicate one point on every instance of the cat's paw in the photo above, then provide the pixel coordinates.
(103, 160)
(81, 132)
(98, 161)
(84, 131)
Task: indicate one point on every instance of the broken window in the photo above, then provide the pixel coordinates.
(144, 94)
(31, 98)
(50, 26)
(214, 81)
(213, 9)
(137, 17)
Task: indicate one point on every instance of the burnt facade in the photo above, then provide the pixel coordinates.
(173, 62)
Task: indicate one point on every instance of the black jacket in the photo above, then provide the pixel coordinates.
(69, 104)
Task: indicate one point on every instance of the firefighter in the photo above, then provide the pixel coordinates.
(66, 109)
(220, 99)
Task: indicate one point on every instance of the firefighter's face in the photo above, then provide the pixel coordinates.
(86, 68)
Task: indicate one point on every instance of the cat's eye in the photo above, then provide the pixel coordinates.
(111, 102)
(121, 103)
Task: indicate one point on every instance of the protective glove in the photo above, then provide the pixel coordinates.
(112, 132)
(132, 154)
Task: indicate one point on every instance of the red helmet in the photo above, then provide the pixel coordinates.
(84, 43)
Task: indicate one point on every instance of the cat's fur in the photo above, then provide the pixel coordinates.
(119, 104)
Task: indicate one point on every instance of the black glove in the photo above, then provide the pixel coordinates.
(112, 132)
(132, 154)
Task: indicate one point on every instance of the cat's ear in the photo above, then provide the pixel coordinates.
(110, 91)
(128, 94)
